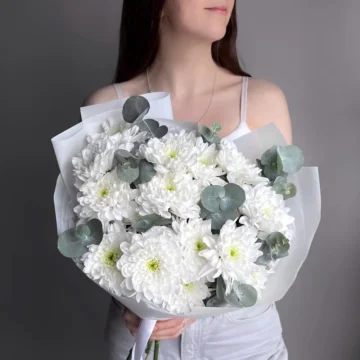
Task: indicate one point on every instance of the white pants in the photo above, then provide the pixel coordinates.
(246, 334)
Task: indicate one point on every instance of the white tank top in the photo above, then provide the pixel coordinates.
(242, 128)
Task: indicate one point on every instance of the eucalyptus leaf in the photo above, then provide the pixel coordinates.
(205, 131)
(291, 158)
(146, 172)
(220, 288)
(73, 242)
(153, 128)
(146, 222)
(242, 295)
(278, 243)
(215, 127)
(220, 218)
(208, 135)
(214, 301)
(161, 131)
(270, 156)
(135, 108)
(203, 212)
(287, 190)
(234, 197)
(275, 246)
(211, 197)
(128, 171)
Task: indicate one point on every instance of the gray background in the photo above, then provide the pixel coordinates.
(53, 53)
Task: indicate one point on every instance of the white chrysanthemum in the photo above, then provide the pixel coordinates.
(176, 193)
(232, 254)
(107, 199)
(266, 210)
(191, 234)
(174, 152)
(120, 132)
(239, 169)
(206, 168)
(150, 264)
(258, 278)
(100, 262)
(97, 157)
(191, 294)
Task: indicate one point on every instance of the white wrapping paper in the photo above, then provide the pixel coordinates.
(305, 207)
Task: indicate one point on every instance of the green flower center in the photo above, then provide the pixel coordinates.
(188, 287)
(172, 154)
(170, 185)
(104, 192)
(200, 245)
(153, 265)
(112, 257)
(267, 212)
(204, 161)
(234, 253)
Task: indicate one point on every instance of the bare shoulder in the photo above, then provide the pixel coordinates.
(267, 103)
(132, 87)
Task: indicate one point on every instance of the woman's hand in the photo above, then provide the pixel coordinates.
(164, 329)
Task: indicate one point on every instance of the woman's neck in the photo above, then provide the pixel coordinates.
(183, 67)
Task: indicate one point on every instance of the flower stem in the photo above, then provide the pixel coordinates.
(130, 354)
(157, 348)
(148, 349)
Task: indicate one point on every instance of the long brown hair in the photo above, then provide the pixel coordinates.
(139, 40)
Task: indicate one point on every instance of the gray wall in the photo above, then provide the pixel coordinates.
(54, 53)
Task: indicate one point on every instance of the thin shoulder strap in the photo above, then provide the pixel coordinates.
(244, 99)
(118, 90)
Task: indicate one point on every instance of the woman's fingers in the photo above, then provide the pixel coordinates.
(132, 321)
(168, 324)
(168, 329)
(173, 331)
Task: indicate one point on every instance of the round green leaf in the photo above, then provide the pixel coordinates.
(161, 131)
(82, 232)
(242, 295)
(282, 187)
(135, 108)
(269, 156)
(128, 172)
(220, 218)
(278, 244)
(206, 132)
(73, 242)
(234, 197)
(211, 197)
(149, 125)
(291, 158)
(148, 221)
(146, 172)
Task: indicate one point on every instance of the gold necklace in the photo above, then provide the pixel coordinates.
(211, 98)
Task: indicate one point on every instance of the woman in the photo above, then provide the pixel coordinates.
(188, 48)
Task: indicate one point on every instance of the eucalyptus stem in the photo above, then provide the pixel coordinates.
(148, 349)
(130, 354)
(157, 348)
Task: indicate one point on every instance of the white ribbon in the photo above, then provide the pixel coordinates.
(142, 337)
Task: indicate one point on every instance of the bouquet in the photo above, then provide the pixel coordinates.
(177, 222)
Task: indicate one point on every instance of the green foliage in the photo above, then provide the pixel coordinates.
(73, 242)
